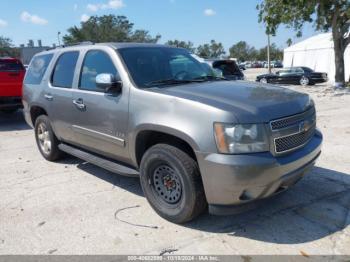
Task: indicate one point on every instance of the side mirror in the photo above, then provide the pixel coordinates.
(108, 83)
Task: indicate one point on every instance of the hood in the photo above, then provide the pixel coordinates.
(248, 101)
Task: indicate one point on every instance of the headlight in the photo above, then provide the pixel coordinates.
(235, 139)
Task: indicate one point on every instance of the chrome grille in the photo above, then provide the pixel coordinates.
(292, 142)
(291, 120)
(291, 133)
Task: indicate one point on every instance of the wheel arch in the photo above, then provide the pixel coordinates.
(150, 135)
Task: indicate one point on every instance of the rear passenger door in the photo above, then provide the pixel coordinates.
(100, 119)
(58, 95)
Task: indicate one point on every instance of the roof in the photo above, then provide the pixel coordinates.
(320, 41)
(133, 45)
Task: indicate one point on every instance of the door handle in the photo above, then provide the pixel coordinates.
(48, 97)
(79, 103)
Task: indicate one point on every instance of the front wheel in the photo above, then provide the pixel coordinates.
(46, 139)
(172, 184)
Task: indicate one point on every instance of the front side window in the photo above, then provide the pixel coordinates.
(151, 65)
(37, 69)
(96, 62)
(63, 73)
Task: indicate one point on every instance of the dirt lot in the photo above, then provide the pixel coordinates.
(73, 207)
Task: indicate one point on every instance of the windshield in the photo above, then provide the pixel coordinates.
(156, 66)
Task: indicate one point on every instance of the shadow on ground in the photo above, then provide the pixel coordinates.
(318, 206)
(13, 122)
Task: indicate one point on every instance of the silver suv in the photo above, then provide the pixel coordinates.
(152, 111)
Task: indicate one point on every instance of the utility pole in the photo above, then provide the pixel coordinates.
(268, 53)
(58, 37)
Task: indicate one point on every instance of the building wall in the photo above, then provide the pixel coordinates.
(27, 53)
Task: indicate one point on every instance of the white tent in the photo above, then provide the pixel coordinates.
(317, 53)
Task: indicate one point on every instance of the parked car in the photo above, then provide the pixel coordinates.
(11, 78)
(294, 75)
(277, 64)
(152, 111)
(242, 66)
(228, 68)
(274, 64)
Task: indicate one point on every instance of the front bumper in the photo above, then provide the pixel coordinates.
(236, 180)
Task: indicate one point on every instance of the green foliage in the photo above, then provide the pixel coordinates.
(6, 48)
(108, 28)
(211, 50)
(294, 13)
(244, 52)
(177, 43)
(275, 53)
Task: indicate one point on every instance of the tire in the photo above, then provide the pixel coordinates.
(304, 81)
(263, 80)
(46, 140)
(172, 184)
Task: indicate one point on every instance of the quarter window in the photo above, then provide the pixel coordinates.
(96, 62)
(63, 73)
(37, 69)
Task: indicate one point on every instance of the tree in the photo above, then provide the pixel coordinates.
(7, 48)
(289, 42)
(275, 53)
(212, 50)
(177, 43)
(108, 28)
(324, 14)
(242, 51)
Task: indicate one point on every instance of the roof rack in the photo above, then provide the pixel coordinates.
(75, 44)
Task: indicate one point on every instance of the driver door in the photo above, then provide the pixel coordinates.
(100, 118)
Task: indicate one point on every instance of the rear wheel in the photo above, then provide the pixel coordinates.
(263, 80)
(172, 184)
(304, 81)
(46, 140)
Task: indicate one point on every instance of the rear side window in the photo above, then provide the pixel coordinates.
(10, 65)
(64, 70)
(37, 69)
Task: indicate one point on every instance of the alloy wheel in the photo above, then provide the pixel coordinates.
(44, 138)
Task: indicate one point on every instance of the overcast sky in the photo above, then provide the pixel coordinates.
(199, 21)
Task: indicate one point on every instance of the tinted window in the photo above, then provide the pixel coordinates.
(37, 69)
(181, 64)
(63, 73)
(10, 65)
(95, 63)
(147, 65)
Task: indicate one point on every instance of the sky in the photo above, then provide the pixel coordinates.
(198, 21)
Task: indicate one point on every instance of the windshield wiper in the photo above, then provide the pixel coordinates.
(210, 78)
(171, 81)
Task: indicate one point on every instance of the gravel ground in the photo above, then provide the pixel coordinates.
(72, 207)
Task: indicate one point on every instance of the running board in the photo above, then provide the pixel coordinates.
(99, 161)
